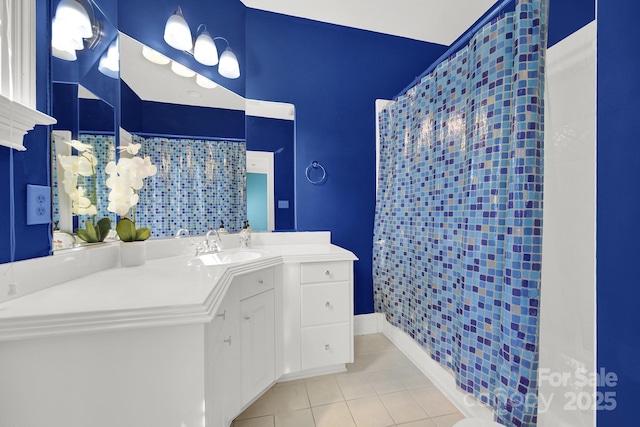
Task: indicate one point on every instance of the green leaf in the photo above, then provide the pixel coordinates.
(82, 234)
(126, 229)
(92, 233)
(103, 228)
(143, 233)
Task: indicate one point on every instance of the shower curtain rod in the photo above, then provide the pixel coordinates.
(457, 45)
(203, 138)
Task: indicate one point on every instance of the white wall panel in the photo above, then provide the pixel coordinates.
(567, 307)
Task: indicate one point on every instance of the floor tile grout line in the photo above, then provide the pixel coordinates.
(313, 416)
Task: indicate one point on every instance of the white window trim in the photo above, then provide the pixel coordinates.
(18, 114)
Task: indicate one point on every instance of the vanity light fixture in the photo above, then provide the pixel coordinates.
(72, 28)
(110, 62)
(228, 66)
(154, 56)
(204, 82)
(177, 34)
(204, 49)
(72, 13)
(181, 70)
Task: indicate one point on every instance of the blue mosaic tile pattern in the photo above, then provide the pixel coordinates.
(105, 152)
(198, 184)
(458, 226)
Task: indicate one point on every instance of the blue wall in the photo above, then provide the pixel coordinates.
(618, 209)
(180, 120)
(277, 136)
(333, 75)
(31, 166)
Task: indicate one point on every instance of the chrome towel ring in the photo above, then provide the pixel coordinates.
(316, 165)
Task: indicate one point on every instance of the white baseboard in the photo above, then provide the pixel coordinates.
(371, 323)
(438, 375)
(325, 370)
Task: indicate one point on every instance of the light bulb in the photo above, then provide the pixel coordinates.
(65, 55)
(204, 50)
(154, 56)
(177, 33)
(110, 62)
(181, 70)
(229, 66)
(73, 14)
(204, 82)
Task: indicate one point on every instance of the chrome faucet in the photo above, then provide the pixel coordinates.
(212, 245)
(180, 231)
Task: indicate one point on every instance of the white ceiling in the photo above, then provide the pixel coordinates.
(153, 82)
(435, 21)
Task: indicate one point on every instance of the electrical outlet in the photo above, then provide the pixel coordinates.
(38, 204)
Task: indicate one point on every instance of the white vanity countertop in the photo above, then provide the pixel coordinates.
(165, 291)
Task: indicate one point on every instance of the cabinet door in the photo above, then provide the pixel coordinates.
(257, 348)
(215, 400)
(222, 391)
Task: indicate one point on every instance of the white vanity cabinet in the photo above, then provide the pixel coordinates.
(222, 367)
(240, 347)
(191, 346)
(318, 320)
(257, 332)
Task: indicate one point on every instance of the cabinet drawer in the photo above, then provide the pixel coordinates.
(325, 303)
(255, 283)
(316, 272)
(326, 345)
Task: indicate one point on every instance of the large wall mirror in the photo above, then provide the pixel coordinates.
(178, 118)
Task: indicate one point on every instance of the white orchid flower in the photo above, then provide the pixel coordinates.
(85, 166)
(84, 210)
(120, 208)
(81, 204)
(131, 148)
(81, 147)
(126, 178)
(111, 168)
(91, 159)
(152, 169)
(68, 163)
(79, 165)
(121, 199)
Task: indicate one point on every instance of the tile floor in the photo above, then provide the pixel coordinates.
(381, 389)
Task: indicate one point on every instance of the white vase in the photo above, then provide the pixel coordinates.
(133, 253)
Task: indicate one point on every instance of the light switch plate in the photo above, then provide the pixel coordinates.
(38, 204)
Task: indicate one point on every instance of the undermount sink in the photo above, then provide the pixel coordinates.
(225, 257)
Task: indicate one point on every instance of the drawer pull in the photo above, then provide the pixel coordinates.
(327, 273)
(327, 347)
(247, 318)
(260, 282)
(327, 304)
(223, 315)
(228, 340)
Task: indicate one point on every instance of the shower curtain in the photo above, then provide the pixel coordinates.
(199, 184)
(458, 224)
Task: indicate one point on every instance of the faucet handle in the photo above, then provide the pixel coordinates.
(201, 248)
(216, 244)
